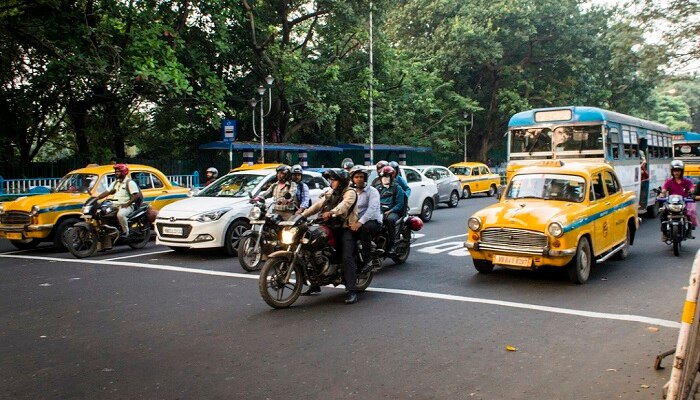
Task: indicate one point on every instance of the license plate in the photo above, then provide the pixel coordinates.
(512, 260)
(171, 230)
(13, 236)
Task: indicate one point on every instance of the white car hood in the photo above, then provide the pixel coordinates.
(197, 205)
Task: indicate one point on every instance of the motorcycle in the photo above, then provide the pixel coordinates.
(261, 239)
(678, 227)
(100, 229)
(311, 257)
(380, 242)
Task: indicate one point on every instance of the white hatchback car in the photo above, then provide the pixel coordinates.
(424, 193)
(218, 215)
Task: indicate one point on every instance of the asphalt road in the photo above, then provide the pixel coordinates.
(155, 324)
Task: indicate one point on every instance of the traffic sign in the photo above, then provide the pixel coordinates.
(229, 128)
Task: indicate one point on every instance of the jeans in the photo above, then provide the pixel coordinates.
(390, 222)
(368, 230)
(348, 253)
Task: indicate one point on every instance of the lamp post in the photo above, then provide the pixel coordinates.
(253, 103)
(466, 116)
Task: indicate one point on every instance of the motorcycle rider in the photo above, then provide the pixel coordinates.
(303, 200)
(368, 210)
(393, 206)
(381, 164)
(677, 184)
(347, 164)
(212, 173)
(338, 210)
(125, 194)
(285, 205)
(399, 179)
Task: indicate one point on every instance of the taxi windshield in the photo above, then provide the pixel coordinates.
(560, 187)
(461, 170)
(235, 185)
(76, 183)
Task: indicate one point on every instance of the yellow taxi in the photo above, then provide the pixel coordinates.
(475, 177)
(30, 220)
(555, 214)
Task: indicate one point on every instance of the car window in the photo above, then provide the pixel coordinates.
(232, 185)
(156, 182)
(412, 175)
(76, 183)
(104, 183)
(314, 182)
(484, 170)
(142, 179)
(431, 173)
(461, 170)
(269, 181)
(597, 191)
(475, 172)
(611, 183)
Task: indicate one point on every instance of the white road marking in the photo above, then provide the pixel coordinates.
(138, 255)
(443, 247)
(437, 240)
(414, 293)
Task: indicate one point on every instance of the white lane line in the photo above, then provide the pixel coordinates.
(138, 255)
(437, 240)
(414, 293)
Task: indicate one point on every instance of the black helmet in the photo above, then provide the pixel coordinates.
(338, 174)
(284, 168)
(359, 169)
(395, 166)
(296, 169)
(347, 164)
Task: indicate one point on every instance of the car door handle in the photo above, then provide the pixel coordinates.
(607, 203)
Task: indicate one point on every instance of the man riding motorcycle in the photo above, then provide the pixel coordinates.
(392, 199)
(125, 194)
(283, 192)
(368, 210)
(677, 184)
(338, 211)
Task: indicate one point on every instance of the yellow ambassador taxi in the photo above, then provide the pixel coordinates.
(475, 177)
(555, 214)
(30, 220)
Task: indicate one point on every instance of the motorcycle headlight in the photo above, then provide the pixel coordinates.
(555, 229)
(474, 224)
(255, 213)
(87, 209)
(211, 215)
(288, 235)
(675, 207)
(35, 211)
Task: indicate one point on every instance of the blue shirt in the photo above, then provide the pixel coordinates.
(404, 185)
(368, 205)
(303, 195)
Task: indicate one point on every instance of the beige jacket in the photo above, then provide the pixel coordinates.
(349, 199)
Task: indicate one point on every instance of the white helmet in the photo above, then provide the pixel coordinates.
(214, 171)
(677, 164)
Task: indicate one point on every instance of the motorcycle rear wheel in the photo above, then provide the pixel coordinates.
(82, 242)
(277, 292)
(249, 255)
(141, 236)
(363, 280)
(403, 247)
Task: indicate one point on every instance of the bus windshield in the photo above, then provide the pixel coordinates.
(686, 150)
(560, 139)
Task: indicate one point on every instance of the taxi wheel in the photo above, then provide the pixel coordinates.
(580, 267)
(492, 191)
(483, 266)
(625, 251)
(233, 236)
(59, 238)
(466, 192)
(454, 199)
(25, 244)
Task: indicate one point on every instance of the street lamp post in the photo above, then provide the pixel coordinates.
(253, 103)
(466, 116)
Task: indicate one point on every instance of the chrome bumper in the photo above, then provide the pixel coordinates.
(25, 228)
(521, 250)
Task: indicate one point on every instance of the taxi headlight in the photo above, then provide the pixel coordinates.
(211, 215)
(675, 207)
(255, 213)
(35, 211)
(474, 224)
(288, 235)
(555, 229)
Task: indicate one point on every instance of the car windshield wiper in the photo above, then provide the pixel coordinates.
(527, 197)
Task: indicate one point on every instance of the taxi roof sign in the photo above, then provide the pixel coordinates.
(550, 163)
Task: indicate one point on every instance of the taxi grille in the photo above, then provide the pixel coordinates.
(15, 218)
(513, 238)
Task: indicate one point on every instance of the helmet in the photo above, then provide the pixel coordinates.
(677, 164)
(284, 168)
(347, 163)
(382, 164)
(123, 168)
(395, 166)
(357, 169)
(387, 171)
(337, 174)
(296, 169)
(414, 223)
(214, 171)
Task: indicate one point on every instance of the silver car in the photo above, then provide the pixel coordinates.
(447, 183)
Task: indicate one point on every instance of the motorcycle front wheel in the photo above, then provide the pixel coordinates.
(82, 242)
(250, 255)
(275, 288)
(676, 238)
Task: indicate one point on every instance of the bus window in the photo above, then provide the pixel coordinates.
(577, 138)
